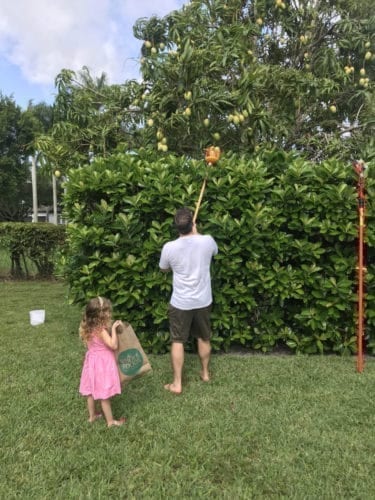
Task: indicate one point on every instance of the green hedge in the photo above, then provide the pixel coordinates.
(25, 242)
(286, 230)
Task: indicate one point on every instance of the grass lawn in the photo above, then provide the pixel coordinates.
(265, 427)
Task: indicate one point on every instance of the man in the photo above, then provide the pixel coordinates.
(189, 257)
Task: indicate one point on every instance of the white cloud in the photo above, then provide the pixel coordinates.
(42, 37)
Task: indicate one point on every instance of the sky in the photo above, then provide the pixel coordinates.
(38, 38)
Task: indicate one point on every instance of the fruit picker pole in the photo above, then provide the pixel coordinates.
(359, 168)
(200, 199)
(212, 155)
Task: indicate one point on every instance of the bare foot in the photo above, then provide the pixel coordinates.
(173, 389)
(117, 423)
(96, 416)
(205, 377)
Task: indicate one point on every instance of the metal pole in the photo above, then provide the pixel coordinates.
(34, 188)
(359, 168)
(54, 195)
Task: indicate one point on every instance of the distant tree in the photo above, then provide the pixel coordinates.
(16, 134)
(41, 114)
(248, 73)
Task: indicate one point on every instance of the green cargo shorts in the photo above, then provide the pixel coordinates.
(195, 322)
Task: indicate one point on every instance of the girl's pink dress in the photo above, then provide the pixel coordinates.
(100, 378)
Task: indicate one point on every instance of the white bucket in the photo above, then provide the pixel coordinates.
(37, 317)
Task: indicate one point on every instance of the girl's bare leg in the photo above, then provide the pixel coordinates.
(107, 410)
(93, 413)
(91, 408)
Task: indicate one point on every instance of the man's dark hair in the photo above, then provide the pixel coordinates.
(183, 220)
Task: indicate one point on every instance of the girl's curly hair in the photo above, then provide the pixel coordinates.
(97, 314)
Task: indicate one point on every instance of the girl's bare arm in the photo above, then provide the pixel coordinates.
(111, 340)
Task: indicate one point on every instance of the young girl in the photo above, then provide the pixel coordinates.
(100, 378)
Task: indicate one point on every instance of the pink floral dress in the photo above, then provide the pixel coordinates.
(100, 378)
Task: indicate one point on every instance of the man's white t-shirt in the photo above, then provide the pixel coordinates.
(189, 257)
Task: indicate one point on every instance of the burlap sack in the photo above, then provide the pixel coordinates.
(132, 361)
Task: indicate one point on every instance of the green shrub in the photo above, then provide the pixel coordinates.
(286, 231)
(35, 242)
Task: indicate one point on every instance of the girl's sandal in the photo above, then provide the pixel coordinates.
(117, 423)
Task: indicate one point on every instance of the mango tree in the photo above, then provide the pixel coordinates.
(245, 73)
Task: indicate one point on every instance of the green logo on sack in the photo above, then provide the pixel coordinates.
(130, 361)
